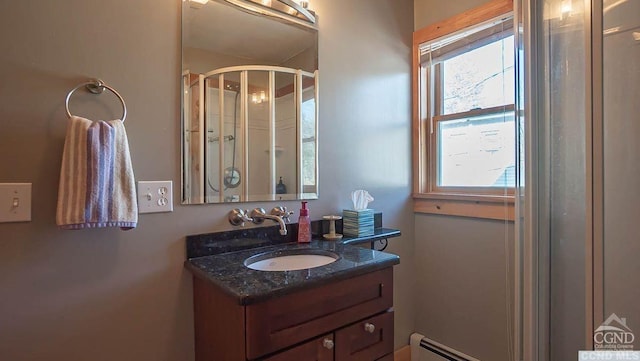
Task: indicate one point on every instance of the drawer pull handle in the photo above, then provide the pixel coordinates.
(327, 343)
(369, 327)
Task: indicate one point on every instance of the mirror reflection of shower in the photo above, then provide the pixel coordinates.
(260, 126)
(222, 111)
(232, 177)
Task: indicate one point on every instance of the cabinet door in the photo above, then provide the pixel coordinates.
(369, 339)
(319, 349)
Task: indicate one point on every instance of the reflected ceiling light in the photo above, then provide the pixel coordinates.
(293, 10)
(565, 9)
(199, 1)
(258, 98)
(303, 3)
(266, 2)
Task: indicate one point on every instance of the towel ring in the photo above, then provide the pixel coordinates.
(96, 86)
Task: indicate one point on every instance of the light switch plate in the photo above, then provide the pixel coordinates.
(155, 196)
(15, 202)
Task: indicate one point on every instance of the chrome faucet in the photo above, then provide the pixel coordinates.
(282, 212)
(278, 214)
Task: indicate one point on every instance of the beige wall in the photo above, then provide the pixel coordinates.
(462, 262)
(110, 295)
(462, 290)
(427, 12)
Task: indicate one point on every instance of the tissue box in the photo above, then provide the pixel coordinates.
(357, 223)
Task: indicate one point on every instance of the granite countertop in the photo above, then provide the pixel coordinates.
(227, 270)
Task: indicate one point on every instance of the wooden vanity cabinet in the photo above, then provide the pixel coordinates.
(342, 321)
(319, 349)
(369, 339)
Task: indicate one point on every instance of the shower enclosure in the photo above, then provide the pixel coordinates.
(579, 165)
(250, 134)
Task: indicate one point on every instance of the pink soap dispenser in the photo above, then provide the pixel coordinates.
(304, 225)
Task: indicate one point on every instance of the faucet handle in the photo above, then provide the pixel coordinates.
(257, 215)
(237, 217)
(281, 212)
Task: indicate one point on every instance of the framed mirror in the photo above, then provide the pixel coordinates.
(249, 101)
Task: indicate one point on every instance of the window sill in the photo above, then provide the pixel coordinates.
(464, 205)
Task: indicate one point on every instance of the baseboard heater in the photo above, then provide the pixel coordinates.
(424, 349)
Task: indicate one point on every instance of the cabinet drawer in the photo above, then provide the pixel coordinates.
(369, 339)
(287, 320)
(319, 349)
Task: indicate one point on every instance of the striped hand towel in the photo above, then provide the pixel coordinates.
(97, 187)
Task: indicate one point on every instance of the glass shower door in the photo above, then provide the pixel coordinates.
(565, 155)
(580, 246)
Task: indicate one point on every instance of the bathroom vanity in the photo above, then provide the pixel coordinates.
(340, 311)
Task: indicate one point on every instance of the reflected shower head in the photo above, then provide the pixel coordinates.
(231, 85)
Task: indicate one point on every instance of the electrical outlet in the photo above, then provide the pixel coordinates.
(155, 196)
(15, 202)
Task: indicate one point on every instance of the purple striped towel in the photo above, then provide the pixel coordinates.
(97, 187)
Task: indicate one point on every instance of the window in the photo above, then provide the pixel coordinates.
(308, 131)
(308, 112)
(464, 121)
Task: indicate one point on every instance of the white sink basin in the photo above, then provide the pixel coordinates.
(290, 262)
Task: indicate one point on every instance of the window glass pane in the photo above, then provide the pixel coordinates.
(308, 113)
(477, 151)
(481, 78)
(308, 163)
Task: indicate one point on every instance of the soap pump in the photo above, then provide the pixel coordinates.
(281, 188)
(304, 225)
